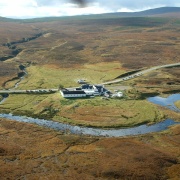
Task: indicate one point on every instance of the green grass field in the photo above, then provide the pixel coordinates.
(177, 103)
(51, 76)
(88, 112)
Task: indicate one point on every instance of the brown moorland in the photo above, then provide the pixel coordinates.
(31, 152)
(165, 80)
(81, 45)
(133, 42)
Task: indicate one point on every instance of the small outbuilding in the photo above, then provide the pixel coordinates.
(81, 81)
(118, 95)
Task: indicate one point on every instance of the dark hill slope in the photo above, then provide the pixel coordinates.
(156, 11)
(151, 12)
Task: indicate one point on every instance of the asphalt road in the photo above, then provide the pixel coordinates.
(140, 73)
(35, 91)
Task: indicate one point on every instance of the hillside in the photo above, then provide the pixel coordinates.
(157, 11)
(68, 42)
(56, 52)
(163, 11)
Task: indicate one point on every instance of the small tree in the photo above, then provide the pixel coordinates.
(61, 87)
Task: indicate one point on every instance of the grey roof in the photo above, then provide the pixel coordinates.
(73, 92)
(86, 86)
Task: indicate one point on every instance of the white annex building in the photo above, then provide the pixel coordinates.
(72, 94)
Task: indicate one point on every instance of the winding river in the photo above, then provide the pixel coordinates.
(142, 129)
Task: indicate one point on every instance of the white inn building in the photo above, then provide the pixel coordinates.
(85, 90)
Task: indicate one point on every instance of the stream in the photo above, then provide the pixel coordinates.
(20, 77)
(14, 50)
(142, 129)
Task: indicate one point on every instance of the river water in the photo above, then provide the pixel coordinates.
(142, 129)
(166, 102)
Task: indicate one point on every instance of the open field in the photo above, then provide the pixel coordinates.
(51, 76)
(31, 152)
